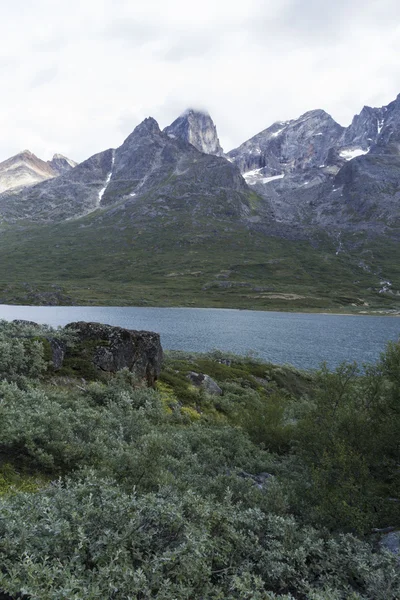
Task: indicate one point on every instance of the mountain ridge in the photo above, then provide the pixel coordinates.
(303, 215)
(26, 169)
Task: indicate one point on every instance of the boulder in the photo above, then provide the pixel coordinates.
(58, 349)
(391, 542)
(111, 349)
(261, 480)
(205, 382)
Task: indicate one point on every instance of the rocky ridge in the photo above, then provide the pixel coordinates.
(313, 172)
(294, 180)
(150, 169)
(26, 169)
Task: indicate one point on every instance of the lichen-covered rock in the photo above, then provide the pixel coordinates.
(111, 349)
(205, 382)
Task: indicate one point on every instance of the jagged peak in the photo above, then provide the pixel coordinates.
(197, 128)
(195, 111)
(148, 125)
(317, 113)
(26, 153)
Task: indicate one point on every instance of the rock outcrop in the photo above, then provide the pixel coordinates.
(391, 542)
(196, 128)
(61, 164)
(287, 147)
(205, 382)
(111, 349)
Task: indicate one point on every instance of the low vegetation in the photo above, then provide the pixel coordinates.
(194, 265)
(275, 489)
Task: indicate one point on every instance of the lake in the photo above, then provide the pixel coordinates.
(303, 340)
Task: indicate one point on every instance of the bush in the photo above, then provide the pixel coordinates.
(88, 539)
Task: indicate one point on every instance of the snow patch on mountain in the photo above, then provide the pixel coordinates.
(256, 176)
(349, 154)
(103, 190)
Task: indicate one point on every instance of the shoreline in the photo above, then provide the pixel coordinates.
(376, 313)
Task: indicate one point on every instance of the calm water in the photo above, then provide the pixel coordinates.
(303, 340)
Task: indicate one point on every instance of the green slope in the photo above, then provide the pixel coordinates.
(113, 259)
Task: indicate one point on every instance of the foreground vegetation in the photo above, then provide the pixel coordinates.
(274, 489)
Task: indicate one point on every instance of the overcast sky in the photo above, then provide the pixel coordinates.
(78, 76)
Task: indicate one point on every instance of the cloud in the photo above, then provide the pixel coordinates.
(44, 76)
(78, 77)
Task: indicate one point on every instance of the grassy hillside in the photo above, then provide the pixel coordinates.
(113, 260)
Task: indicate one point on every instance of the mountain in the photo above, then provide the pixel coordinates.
(61, 164)
(305, 215)
(26, 169)
(313, 173)
(288, 147)
(149, 165)
(196, 128)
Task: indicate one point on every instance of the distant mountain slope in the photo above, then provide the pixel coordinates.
(26, 169)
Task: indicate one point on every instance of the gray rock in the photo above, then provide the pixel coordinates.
(260, 480)
(58, 350)
(118, 348)
(289, 146)
(197, 128)
(61, 164)
(391, 542)
(205, 382)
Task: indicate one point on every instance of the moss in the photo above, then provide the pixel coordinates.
(13, 481)
(167, 395)
(191, 413)
(177, 382)
(78, 363)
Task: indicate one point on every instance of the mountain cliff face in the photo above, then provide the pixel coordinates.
(26, 169)
(312, 172)
(198, 129)
(61, 164)
(288, 147)
(150, 163)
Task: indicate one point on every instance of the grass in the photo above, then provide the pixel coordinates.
(248, 372)
(176, 261)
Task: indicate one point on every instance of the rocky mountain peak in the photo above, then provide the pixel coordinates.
(197, 128)
(61, 164)
(287, 147)
(26, 169)
(317, 113)
(147, 126)
(26, 153)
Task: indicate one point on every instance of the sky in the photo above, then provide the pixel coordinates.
(78, 76)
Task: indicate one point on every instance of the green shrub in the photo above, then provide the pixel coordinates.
(88, 539)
